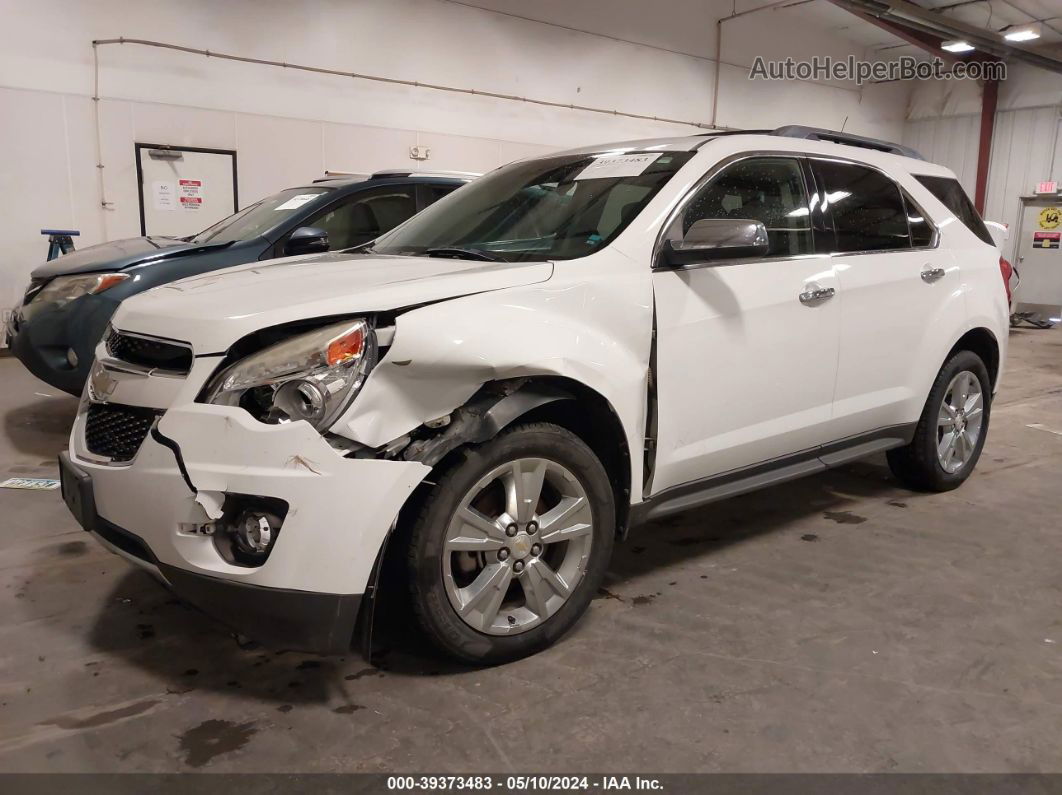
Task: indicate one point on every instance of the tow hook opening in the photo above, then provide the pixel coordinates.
(248, 528)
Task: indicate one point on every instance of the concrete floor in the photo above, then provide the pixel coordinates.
(839, 623)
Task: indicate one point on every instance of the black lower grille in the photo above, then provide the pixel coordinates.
(115, 431)
(149, 352)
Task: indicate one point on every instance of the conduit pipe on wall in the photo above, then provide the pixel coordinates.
(397, 81)
(719, 46)
(338, 73)
(106, 205)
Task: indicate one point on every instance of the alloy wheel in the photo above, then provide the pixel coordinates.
(517, 546)
(959, 422)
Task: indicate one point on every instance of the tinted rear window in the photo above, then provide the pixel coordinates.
(952, 196)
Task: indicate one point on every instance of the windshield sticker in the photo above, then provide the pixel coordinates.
(295, 202)
(612, 166)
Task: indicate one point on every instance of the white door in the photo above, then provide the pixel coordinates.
(184, 190)
(901, 294)
(745, 368)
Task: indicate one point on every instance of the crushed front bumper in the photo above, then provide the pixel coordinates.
(152, 510)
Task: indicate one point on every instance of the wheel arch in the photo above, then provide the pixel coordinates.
(983, 342)
(557, 399)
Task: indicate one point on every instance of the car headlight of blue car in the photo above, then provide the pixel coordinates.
(63, 289)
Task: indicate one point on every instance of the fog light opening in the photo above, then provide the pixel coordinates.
(71, 357)
(248, 529)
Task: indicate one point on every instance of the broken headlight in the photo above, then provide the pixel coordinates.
(311, 377)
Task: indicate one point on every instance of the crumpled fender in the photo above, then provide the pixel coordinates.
(595, 328)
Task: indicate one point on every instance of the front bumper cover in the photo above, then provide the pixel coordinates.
(307, 593)
(42, 340)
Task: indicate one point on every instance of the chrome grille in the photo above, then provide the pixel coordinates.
(115, 431)
(149, 352)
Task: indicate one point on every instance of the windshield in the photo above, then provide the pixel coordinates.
(550, 208)
(259, 217)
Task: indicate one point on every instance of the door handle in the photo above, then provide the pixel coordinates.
(815, 294)
(930, 275)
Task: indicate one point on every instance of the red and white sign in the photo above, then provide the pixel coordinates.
(190, 194)
(1047, 187)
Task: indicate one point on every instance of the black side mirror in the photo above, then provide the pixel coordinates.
(716, 239)
(306, 240)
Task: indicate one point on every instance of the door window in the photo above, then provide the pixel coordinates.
(766, 189)
(921, 229)
(365, 216)
(432, 193)
(867, 209)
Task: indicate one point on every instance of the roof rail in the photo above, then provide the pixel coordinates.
(341, 176)
(405, 172)
(847, 139)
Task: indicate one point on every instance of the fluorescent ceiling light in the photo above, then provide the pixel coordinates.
(1023, 32)
(957, 45)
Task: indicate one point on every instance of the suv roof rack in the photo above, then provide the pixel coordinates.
(847, 139)
(341, 176)
(405, 172)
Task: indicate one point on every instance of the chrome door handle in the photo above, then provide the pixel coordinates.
(930, 275)
(815, 294)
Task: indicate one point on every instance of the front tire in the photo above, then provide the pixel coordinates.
(509, 548)
(952, 429)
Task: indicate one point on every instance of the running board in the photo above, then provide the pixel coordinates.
(688, 496)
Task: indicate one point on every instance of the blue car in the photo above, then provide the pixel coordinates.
(70, 300)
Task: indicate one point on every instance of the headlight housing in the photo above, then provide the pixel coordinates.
(64, 289)
(313, 376)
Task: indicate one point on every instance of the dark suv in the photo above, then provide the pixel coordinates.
(70, 300)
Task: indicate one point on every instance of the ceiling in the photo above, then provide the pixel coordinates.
(679, 25)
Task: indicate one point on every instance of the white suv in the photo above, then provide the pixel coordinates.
(495, 391)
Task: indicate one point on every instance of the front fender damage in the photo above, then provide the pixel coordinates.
(483, 417)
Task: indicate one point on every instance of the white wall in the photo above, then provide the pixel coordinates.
(1026, 144)
(289, 126)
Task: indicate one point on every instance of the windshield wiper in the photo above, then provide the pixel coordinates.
(457, 252)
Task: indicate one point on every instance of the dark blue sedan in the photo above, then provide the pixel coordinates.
(70, 300)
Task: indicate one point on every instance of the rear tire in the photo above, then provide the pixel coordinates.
(511, 544)
(952, 430)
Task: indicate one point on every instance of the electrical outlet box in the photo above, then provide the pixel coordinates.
(419, 152)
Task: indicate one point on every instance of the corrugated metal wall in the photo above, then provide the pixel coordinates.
(1026, 148)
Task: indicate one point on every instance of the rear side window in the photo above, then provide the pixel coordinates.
(952, 196)
(866, 207)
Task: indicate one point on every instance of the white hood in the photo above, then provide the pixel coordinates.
(214, 310)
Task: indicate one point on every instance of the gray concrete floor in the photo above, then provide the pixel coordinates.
(839, 623)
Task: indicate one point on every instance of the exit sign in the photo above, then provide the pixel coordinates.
(1047, 187)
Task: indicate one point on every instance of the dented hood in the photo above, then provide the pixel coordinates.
(214, 310)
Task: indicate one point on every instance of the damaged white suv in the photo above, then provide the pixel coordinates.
(495, 391)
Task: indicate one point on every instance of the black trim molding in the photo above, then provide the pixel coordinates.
(694, 494)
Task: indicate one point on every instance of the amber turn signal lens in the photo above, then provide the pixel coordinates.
(347, 347)
(107, 281)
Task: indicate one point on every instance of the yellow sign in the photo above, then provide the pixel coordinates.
(1050, 218)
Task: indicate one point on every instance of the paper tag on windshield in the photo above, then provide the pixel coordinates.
(611, 166)
(295, 202)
